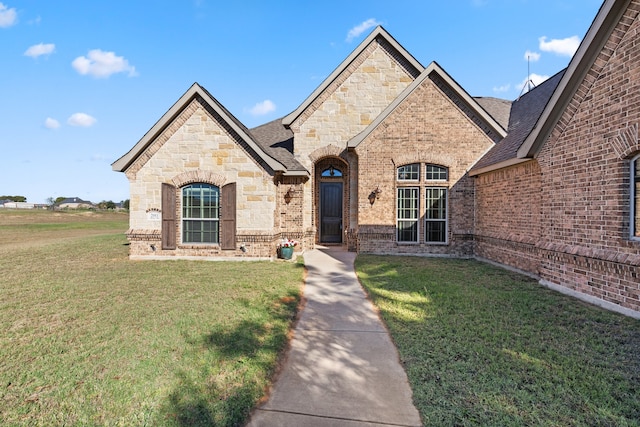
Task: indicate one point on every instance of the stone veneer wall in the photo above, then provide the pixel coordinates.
(428, 127)
(199, 144)
(350, 103)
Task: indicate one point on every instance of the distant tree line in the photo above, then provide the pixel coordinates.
(105, 204)
(14, 198)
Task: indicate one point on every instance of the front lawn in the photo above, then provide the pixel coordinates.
(91, 338)
(485, 346)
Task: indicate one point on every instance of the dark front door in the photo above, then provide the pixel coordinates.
(331, 212)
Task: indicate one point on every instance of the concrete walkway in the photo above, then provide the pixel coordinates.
(342, 368)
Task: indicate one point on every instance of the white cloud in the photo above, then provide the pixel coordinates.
(102, 64)
(536, 79)
(82, 120)
(503, 88)
(262, 108)
(565, 47)
(50, 123)
(361, 28)
(531, 56)
(40, 49)
(8, 17)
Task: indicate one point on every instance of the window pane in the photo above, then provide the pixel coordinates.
(436, 203)
(407, 214)
(409, 172)
(436, 231)
(436, 172)
(636, 197)
(200, 213)
(407, 231)
(331, 171)
(436, 215)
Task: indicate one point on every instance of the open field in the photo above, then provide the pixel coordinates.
(484, 346)
(91, 338)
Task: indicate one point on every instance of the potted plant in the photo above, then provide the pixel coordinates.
(285, 248)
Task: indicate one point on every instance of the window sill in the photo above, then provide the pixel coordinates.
(422, 243)
(199, 246)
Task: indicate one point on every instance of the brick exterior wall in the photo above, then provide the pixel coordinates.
(507, 216)
(428, 127)
(566, 215)
(585, 187)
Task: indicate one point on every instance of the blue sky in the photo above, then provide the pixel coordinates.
(82, 82)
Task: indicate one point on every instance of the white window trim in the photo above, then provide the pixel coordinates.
(183, 218)
(417, 220)
(446, 216)
(632, 199)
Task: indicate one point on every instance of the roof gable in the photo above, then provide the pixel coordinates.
(379, 33)
(123, 163)
(592, 45)
(461, 94)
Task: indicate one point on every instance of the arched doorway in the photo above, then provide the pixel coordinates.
(330, 174)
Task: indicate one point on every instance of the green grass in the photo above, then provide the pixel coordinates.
(91, 338)
(484, 346)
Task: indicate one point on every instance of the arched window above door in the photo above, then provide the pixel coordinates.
(331, 171)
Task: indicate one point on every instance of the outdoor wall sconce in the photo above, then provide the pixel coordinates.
(375, 195)
(289, 195)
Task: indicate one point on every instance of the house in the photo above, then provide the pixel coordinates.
(389, 156)
(74, 203)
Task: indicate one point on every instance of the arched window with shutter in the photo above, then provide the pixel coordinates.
(200, 213)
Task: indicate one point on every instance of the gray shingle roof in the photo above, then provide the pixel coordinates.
(277, 141)
(499, 109)
(525, 113)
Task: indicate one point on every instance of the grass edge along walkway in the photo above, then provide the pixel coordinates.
(485, 346)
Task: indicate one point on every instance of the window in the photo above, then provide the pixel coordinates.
(408, 214)
(435, 215)
(435, 172)
(331, 172)
(409, 172)
(411, 188)
(200, 213)
(635, 197)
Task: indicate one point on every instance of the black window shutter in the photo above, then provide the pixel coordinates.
(228, 217)
(168, 217)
